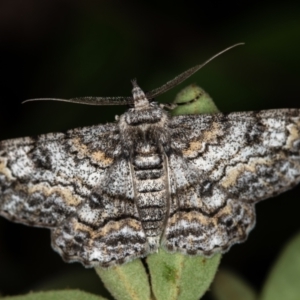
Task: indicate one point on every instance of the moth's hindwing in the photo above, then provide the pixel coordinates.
(106, 229)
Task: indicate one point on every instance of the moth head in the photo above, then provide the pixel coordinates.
(139, 97)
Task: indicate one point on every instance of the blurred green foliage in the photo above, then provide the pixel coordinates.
(282, 281)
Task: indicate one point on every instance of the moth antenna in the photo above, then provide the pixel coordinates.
(185, 75)
(90, 100)
(129, 100)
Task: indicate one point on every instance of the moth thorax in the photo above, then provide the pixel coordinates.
(139, 97)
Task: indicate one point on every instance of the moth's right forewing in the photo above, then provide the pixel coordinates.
(250, 155)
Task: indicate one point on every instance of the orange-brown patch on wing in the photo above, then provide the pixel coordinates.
(100, 156)
(82, 227)
(194, 148)
(207, 137)
(233, 173)
(116, 226)
(190, 217)
(4, 170)
(67, 195)
(97, 156)
(294, 134)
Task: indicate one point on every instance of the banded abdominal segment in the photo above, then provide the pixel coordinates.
(151, 191)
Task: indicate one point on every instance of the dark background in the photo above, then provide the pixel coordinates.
(69, 48)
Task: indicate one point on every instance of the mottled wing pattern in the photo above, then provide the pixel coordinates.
(106, 229)
(221, 166)
(56, 181)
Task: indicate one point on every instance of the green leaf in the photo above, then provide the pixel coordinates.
(228, 286)
(194, 100)
(284, 279)
(181, 277)
(57, 295)
(126, 282)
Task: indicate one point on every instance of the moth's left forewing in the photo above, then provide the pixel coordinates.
(45, 179)
(76, 184)
(240, 158)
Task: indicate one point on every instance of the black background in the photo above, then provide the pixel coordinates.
(69, 48)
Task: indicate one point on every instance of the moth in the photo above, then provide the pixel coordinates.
(114, 192)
